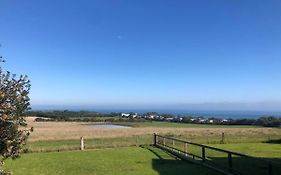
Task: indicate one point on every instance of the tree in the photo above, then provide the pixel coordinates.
(269, 121)
(14, 102)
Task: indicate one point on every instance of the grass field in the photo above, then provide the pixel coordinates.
(59, 136)
(121, 161)
(263, 150)
(55, 137)
(232, 143)
(147, 160)
(202, 133)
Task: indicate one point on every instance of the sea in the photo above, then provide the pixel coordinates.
(177, 112)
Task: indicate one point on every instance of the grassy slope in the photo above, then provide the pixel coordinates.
(179, 125)
(243, 164)
(265, 150)
(63, 145)
(207, 137)
(244, 142)
(123, 161)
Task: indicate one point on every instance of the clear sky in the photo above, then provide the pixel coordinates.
(213, 54)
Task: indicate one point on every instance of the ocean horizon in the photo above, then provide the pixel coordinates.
(180, 112)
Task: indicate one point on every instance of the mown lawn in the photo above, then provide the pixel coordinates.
(66, 145)
(263, 150)
(240, 143)
(121, 161)
(135, 160)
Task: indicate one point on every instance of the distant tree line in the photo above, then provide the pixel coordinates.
(270, 121)
(65, 115)
(87, 116)
(69, 114)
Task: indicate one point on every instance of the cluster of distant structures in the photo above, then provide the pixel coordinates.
(170, 118)
(270, 121)
(86, 116)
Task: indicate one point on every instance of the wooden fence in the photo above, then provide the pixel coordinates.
(223, 161)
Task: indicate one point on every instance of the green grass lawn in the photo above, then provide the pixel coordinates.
(266, 151)
(263, 150)
(180, 125)
(66, 145)
(125, 157)
(233, 142)
(136, 159)
(121, 161)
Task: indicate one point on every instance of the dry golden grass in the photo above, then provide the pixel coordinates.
(72, 130)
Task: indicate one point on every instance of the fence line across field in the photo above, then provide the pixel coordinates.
(224, 161)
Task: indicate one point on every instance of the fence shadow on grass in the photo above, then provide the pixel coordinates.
(244, 165)
(168, 164)
(273, 141)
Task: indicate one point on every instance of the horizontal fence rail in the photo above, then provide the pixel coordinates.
(226, 162)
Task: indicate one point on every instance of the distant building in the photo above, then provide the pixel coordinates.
(202, 120)
(224, 120)
(169, 119)
(125, 115)
(135, 115)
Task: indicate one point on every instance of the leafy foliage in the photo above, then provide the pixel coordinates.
(65, 115)
(14, 102)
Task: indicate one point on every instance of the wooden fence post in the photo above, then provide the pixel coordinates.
(155, 142)
(229, 162)
(203, 154)
(82, 146)
(185, 149)
(164, 142)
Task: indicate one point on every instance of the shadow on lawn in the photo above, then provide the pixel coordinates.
(273, 141)
(168, 164)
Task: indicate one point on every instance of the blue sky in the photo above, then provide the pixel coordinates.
(146, 53)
